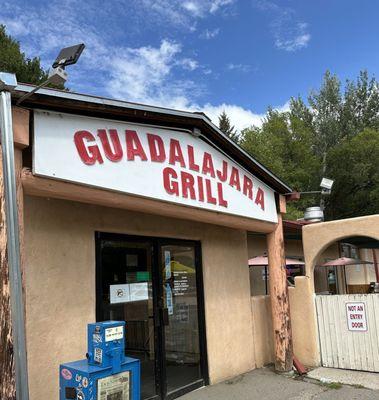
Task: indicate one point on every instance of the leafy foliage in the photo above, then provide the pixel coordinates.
(226, 127)
(13, 60)
(27, 70)
(355, 168)
(330, 136)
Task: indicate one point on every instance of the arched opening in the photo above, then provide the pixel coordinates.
(354, 271)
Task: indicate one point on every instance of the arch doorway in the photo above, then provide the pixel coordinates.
(346, 302)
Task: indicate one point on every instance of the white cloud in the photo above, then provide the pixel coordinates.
(189, 64)
(240, 117)
(217, 4)
(290, 37)
(210, 34)
(239, 67)
(182, 13)
(145, 74)
(290, 34)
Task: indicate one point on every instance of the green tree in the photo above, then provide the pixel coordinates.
(226, 127)
(284, 144)
(13, 60)
(354, 165)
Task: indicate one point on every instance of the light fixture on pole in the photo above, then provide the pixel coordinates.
(57, 74)
(8, 82)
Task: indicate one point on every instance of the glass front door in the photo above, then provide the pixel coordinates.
(181, 327)
(154, 285)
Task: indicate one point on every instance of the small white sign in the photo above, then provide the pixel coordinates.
(119, 293)
(139, 291)
(356, 316)
(115, 333)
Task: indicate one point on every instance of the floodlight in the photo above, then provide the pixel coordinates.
(68, 56)
(7, 81)
(326, 183)
(57, 74)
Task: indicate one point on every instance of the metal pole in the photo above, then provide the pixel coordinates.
(13, 247)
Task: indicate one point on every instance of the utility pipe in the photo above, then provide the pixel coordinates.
(13, 247)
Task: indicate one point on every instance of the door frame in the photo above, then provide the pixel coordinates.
(157, 285)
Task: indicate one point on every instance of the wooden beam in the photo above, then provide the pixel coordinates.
(281, 321)
(20, 119)
(44, 187)
(282, 204)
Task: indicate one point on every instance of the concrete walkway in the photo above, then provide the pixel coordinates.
(264, 384)
(369, 380)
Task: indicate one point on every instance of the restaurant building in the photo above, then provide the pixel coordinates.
(138, 213)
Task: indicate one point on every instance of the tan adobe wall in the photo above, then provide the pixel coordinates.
(60, 285)
(318, 237)
(303, 325)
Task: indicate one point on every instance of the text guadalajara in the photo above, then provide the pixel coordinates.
(197, 169)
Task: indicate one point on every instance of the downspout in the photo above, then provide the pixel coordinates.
(13, 245)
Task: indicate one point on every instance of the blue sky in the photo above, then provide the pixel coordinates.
(207, 55)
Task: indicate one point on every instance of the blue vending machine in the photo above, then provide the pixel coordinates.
(106, 374)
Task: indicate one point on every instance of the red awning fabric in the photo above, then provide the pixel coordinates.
(345, 261)
(263, 261)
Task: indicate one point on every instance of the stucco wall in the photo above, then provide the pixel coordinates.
(303, 324)
(60, 285)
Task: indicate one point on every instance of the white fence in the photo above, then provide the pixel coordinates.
(349, 331)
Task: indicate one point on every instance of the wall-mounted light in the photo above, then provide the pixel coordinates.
(57, 74)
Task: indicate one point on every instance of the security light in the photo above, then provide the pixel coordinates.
(326, 185)
(57, 74)
(68, 56)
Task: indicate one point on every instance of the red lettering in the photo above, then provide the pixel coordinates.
(176, 154)
(114, 154)
(221, 201)
(156, 147)
(88, 154)
(188, 183)
(171, 186)
(210, 198)
(222, 175)
(191, 160)
(208, 165)
(133, 146)
(235, 179)
(260, 199)
(247, 187)
(200, 186)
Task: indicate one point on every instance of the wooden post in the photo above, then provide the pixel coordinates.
(7, 377)
(281, 321)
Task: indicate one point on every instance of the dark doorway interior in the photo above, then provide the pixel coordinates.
(155, 286)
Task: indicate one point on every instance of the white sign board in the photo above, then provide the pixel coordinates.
(119, 293)
(356, 316)
(157, 163)
(139, 291)
(115, 333)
